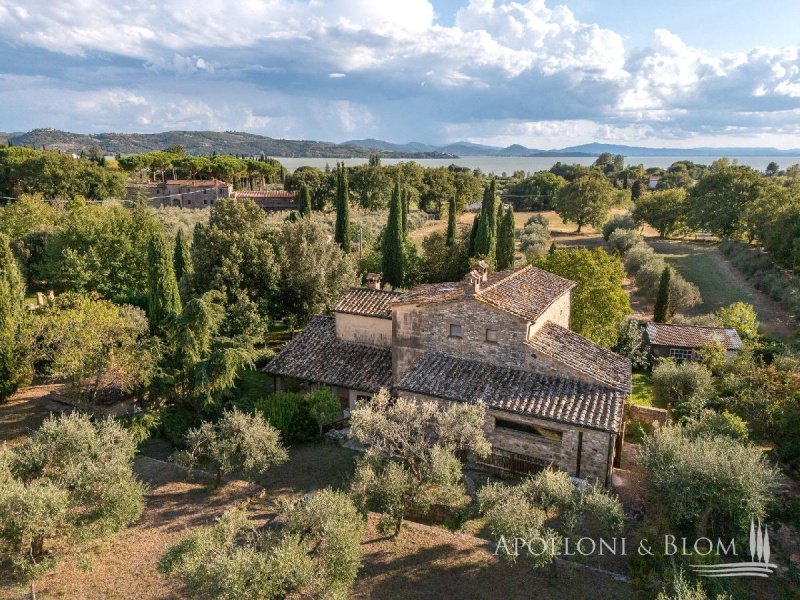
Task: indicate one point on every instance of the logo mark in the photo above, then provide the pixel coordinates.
(759, 565)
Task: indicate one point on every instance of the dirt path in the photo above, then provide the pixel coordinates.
(775, 319)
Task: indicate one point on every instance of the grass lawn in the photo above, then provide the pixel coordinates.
(701, 266)
(253, 384)
(642, 393)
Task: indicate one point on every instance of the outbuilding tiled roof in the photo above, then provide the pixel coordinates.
(523, 392)
(366, 301)
(583, 355)
(526, 292)
(317, 355)
(692, 336)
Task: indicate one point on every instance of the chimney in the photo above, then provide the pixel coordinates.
(483, 270)
(374, 281)
(473, 283)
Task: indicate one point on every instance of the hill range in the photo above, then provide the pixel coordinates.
(248, 144)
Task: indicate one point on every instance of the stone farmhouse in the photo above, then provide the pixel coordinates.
(205, 193)
(552, 396)
(681, 342)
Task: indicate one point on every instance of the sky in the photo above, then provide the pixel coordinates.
(540, 73)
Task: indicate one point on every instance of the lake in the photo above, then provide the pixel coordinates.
(509, 164)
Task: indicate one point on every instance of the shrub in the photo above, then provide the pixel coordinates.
(685, 385)
(709, 486)
(630, 343)
(712, 424)
(639, 255)
(299, 416)
(623, 240)
(621, 221)
(142, 425)
(535, 239)
(238, 442)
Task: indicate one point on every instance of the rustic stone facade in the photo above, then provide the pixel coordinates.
(364, 330)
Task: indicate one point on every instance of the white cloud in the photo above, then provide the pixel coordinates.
(505, 70)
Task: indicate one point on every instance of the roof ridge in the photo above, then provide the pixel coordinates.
(513, 272)
(689, 325)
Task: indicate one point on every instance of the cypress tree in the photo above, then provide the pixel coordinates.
(305, 201)
(498, 222)
(393, 251)
(661, 310)
(451, 222)
(14, 369)
(486, 238)
(405, 198)
(182, 260)
(505, 241)
(163, 299)
(473, 235)
(342, 234)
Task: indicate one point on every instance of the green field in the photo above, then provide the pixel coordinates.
(642, 393)
(702, 266)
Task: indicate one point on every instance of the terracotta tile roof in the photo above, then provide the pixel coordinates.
(195, 182)
(692, 336)
(317, 355)
(583, 355)
(526, 292)
(366, 301)
(266, 194)
(522, 392)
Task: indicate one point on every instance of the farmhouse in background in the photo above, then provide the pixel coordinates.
(682, 342)
(183, 193)
(552, 396)
(205, 193)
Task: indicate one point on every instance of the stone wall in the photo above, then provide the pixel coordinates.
(596, 447)
(364, 330)
(558, 312)
(646, 414)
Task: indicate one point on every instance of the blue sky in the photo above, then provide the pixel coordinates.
(541, 73)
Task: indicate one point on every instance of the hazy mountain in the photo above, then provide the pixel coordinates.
(382, 145)
(199, 143)
(248, 144)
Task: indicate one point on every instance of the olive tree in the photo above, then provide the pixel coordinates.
(238, 442)
(707, 485)
(521, 511)
(312, 552)
(685, 385)
(411, 460)
(70, 482)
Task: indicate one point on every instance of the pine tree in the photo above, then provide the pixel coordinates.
(661, 310)
(486, 238)
(14, 369)
(342, 234)
(163, 299)
(473, 235)
(451, 221)
(305, 201)
(182, 260)
(394, 259)
(505, 241)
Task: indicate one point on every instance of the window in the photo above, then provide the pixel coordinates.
(455, 330)
(530, 429)
(363, 397)
(491, 336)
(681, 353)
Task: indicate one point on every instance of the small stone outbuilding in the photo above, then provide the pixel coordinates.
(681, 342)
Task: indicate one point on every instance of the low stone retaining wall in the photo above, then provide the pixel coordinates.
(646, 414)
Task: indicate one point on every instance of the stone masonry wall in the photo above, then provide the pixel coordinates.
(558, 312)
(563, 455)
(364, 330)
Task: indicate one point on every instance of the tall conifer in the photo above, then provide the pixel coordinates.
(661, 309)
(451, 221)
(182, 260)
(14, 368)
(394, 259)
(405, 199)
(473, 235)
(163, 298)
(505, 241)
(305, 201)
(342, 233)
(486, 238)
